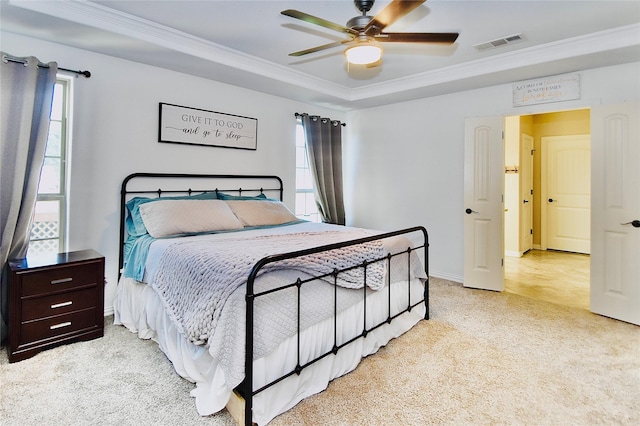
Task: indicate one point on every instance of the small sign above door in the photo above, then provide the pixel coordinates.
(546, 90)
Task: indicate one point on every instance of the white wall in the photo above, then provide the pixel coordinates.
(404, 162)
(115, 133)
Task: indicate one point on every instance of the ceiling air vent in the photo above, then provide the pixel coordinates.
(498, 42)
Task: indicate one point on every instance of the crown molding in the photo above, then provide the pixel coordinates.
(111, 20)
(108, 19)
(617, 38)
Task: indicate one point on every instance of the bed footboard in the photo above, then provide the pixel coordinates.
(245, 392)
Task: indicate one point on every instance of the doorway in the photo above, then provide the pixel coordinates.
(615, 178)
(557, 276)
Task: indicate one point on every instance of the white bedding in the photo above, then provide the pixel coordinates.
(139, 308)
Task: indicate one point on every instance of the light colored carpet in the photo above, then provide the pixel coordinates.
(483, 358)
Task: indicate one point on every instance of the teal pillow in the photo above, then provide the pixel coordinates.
(134, 224)
(261, 196)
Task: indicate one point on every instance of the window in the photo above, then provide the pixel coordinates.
(305, 201)
(49, 222)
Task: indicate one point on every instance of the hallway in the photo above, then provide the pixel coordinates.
(557, 277)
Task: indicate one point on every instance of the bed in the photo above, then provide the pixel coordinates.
(256, 307)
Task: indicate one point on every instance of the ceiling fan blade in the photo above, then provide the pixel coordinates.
(394, 11)
(318, 48)
(443, 38)
(318, 21)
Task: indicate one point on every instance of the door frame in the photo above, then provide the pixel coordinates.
(526, 156)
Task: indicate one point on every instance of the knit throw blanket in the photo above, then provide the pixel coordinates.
(195, 279)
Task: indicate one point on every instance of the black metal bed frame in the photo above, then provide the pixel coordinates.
(245, 389)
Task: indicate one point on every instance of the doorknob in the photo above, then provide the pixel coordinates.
(551, 200)
(525, 201)
(634, 223)
(469, 211)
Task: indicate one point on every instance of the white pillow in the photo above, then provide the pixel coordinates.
(175, 217)
(261, 213)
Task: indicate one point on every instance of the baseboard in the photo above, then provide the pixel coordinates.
(445, 276)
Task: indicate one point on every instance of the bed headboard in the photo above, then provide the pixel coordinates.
(171, 184)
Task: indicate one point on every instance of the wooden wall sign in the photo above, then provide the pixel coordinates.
(193, 126)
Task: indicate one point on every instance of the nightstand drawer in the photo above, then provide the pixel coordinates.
(58, 304)
(57, 279)
(33, 331)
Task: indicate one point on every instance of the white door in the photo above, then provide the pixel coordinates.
(615, 232)
(566, 179)
(526, 193)
(483, 203)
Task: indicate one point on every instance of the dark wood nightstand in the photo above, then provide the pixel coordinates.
(54, 300)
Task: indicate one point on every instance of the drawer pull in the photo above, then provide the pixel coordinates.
(62, 324)
(62, 305)
(62, 280)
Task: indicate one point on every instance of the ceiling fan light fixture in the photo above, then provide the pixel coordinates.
(363, 53)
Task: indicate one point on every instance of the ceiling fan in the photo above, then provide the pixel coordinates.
(366, 32)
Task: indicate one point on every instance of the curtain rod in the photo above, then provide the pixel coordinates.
(7, 58)
(342, 124)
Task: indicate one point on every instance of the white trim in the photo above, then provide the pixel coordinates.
(108, 19)
(511, 253)
(450, 277)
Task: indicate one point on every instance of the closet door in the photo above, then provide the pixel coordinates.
(566, 193)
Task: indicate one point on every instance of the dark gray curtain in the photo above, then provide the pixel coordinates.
(324, 147)
(26, 88)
